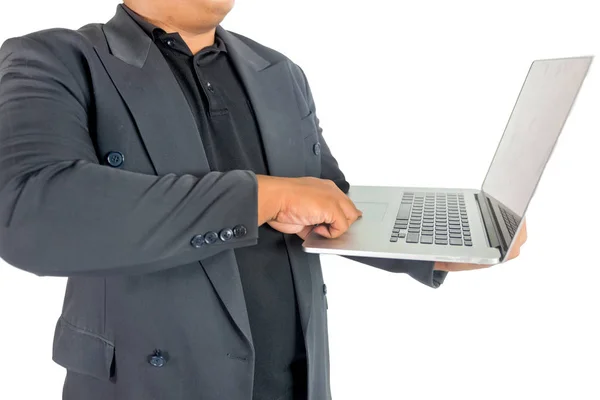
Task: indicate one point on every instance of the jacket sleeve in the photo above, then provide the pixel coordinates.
(62, 213)
(422, 271)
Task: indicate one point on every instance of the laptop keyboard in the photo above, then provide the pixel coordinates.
(432, 218)
(511, 222)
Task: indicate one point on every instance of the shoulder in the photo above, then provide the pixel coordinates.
(61, 55)
(70, 47)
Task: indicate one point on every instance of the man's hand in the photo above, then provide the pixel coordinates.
(515, 251)
(296, 205)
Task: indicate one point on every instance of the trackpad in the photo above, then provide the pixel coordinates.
(372, 211)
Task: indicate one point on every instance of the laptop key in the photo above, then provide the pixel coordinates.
(393, 239)
(412, 238)
(403, 211)
(455, 242)
(426, 239)
(402, 235)
(468, 243)
(440, 241)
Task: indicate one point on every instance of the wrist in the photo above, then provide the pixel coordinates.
(268, 198)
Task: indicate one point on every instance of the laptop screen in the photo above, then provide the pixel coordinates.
(536, 121)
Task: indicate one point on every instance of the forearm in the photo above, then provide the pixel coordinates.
(74, 218)
(422, 271)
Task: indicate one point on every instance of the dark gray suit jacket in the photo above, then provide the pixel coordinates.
(122, 235)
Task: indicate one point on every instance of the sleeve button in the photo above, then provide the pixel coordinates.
(226, 234)
(211, 237)
(197, 241)
(239, 231)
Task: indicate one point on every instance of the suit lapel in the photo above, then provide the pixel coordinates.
(168, 129)
(273, 97)
(147, 85)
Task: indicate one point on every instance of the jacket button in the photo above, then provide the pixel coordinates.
(210, 237)
(158, 359)
(226, 234)
(239, 231)
(210, 87)
(115, 159)
(197, 241)
(317, 149)
(324, 289)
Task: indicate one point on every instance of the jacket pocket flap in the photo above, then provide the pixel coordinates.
(82, 351)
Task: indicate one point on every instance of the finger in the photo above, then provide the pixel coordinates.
(285, 227)
(337, 225)
(524, 234)
(360, 213)
(322, 230)
(514, 253)
(305, 232)
(457, 267)
(350, 211)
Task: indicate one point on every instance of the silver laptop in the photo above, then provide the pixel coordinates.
(469, 225)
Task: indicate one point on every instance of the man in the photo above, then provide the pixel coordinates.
(170, 169)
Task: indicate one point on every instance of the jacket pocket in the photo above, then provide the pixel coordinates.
(82, 351)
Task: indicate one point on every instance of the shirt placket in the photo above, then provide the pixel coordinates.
(215, 101)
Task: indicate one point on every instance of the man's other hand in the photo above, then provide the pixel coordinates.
(514, 252)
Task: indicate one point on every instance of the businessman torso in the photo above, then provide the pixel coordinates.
(178, 328)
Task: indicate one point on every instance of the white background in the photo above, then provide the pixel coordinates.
(409, 93)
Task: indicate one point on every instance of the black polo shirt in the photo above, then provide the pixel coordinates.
(231, 139)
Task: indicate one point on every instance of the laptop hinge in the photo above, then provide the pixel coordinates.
(490, 223)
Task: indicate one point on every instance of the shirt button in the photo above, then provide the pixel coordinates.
(324, 289)
(239, 231)
(115, 159)
(170, 43)
(210, 87)
(226, 234)
(317, 149)
(211, 237)
(197, 241)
